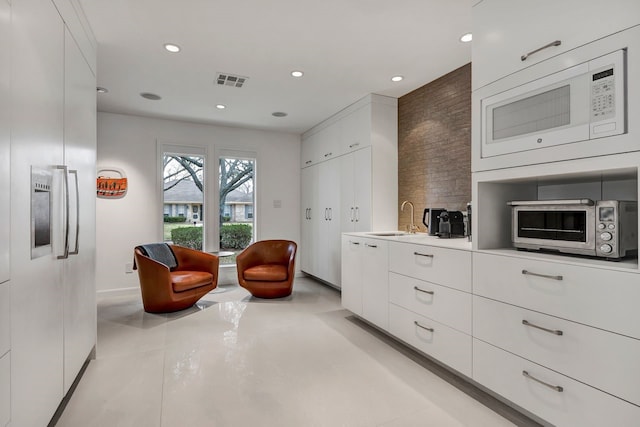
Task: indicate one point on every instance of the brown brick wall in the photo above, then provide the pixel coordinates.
(434, 145)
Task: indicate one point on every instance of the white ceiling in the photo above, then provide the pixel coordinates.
(346, 48)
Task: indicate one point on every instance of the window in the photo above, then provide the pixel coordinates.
(236, 186)
(183, 188)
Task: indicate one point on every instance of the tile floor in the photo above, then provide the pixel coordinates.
(238, 361)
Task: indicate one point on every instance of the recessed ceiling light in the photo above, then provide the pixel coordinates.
(396, 78)
(221, 106)
(173, 48)
(297, 73)
(151, 96)
(102, 89)
(466, 38)
(279, 114)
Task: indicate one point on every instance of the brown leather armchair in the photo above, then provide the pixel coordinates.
(173, 277)
(266, 268)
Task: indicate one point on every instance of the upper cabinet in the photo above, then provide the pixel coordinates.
(370, 121)
(511, 35)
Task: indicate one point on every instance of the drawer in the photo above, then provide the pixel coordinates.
(448, 267)
(597, 297)
(5, 319)
(445, 305)
(576, 405)
(599, 358)
(5, 389)
(445, 344)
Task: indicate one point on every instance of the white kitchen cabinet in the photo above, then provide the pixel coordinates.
(355, 190)
(355, 130)
(349, 189)
(444, 266)
(37, 336)
(550, 395)
(328, 222)
(577, 351)
(323, 144)
(364, 278)
(375, 287)
(597, 297)
(504, 31)
(309, 203)
(80, 155)
(445, 344)
(5, 135)
(351, 279)
(445, 305)
(53, 324)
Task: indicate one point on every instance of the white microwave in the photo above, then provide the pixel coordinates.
(583, 102)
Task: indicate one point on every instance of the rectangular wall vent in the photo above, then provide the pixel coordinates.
(233, 80)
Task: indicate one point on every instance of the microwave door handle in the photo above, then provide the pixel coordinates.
(553, 43)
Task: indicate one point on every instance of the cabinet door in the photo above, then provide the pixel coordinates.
(375, 282)
(37, 104)
(505, 30)
(310, 220)
(80, 155)
(362, 183)
(5, 159)
(352, 274)
(329, 222)
(356, 129)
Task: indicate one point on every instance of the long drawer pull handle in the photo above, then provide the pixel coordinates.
(370, 246)
(422, 290)
(557, 388)
(415, 322)
(427, 255)
(553, 43)
(551, 331)
(546, 276)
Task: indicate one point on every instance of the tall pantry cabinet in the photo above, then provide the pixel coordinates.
(53, 128)
(349, 181)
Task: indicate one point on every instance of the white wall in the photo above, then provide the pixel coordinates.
(129, 143)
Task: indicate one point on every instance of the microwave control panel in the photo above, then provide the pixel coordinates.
(603, 101)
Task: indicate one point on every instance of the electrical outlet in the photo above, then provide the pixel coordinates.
(128, 267)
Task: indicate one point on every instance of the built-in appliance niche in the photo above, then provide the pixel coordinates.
(41, 186)
(492, 192)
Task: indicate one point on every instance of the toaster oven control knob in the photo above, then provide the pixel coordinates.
(606, 249)
(601, 226)
(606, 236)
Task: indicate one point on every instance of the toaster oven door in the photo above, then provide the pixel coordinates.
(569, 229)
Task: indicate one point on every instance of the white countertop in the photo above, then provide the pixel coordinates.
(417, 238)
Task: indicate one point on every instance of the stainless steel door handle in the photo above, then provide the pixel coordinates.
(424, 255)
(422, 290)
(551, 331)
(546, 276)
(415, 322)
(65, 170)
(77, 247)
(557, 388)
(553, 43)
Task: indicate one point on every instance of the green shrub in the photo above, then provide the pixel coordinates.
(175, 219)
(189, 237)
(235, 236)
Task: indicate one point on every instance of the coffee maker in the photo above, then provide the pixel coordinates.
(451, 224)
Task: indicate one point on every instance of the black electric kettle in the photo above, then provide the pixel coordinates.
(431, 219)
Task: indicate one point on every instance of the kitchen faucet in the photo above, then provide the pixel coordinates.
(412, 227)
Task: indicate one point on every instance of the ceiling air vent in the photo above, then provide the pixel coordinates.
(232, 80)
